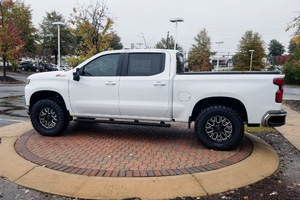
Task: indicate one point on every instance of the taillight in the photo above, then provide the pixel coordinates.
(279, 93)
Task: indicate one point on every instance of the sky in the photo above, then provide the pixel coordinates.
(225, 20)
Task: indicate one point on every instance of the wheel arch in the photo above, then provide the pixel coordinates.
(46, 94)
(233, 103)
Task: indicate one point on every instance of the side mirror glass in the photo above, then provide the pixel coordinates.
(76, 75)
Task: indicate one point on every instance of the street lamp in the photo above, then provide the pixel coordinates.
(251, 59)
(219, 43)
(58, 42)
(176, 20)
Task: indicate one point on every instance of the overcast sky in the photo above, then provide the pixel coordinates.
(225, 20)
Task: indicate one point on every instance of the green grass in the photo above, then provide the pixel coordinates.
(259, 129)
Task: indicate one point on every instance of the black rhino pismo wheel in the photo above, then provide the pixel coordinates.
(219, 127)
(48, 118)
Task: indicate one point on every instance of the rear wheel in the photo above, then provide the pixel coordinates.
(219, 127)
(48, 118)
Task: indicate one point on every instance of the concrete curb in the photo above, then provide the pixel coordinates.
(262, 163)
(291, 130)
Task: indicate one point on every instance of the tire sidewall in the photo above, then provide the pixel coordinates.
(34, 116)
(231, 115)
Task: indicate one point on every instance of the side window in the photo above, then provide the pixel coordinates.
(180, 63)
(106, 65)
(145, 64)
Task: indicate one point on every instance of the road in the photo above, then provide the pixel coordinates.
(291, 92)
(12, 101)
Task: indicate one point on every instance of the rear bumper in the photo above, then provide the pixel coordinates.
(274, 118)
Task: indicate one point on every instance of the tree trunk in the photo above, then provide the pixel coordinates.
(55, 58)
(4, 67)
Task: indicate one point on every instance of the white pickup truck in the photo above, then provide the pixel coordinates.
(151, 85)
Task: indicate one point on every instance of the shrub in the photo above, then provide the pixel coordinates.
(292, 72)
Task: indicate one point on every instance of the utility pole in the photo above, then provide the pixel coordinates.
(176, 20)
(251, 59)
(168, 40)
(58, 42)
(146, 47)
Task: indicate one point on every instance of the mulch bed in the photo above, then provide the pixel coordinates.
(9, 80)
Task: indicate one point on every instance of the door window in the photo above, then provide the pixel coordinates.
(145, 64)
(106, 65)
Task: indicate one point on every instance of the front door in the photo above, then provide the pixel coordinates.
(96, 93)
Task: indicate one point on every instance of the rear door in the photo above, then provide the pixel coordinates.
(144, 86)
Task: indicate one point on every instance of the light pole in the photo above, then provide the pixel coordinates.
(58, 42)
(218, 60)
(251, 59)
(176, 20)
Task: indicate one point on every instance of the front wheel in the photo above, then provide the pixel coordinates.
(48, 118)
(219, 127)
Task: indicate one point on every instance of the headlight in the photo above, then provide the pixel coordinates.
(27, 81)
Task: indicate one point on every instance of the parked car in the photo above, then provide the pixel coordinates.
(48, 67)
(55, 68)
(151, 85)
(29, 66)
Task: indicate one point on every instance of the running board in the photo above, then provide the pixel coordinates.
(135, 122)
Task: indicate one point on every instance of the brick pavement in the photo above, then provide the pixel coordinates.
(126, 151)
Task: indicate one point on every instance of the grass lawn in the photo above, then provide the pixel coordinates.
(259, 129)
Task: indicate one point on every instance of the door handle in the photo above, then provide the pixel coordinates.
(159, 83)
(110, 83)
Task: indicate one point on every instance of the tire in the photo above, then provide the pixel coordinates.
(37, 70)
(219, 127)
(23, 68)
(48, 117)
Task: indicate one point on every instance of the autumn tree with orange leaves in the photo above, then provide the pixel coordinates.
(11, 45)
(95, 30)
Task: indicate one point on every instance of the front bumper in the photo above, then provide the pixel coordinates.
(274, 118)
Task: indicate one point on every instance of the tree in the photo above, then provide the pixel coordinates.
(291, 68)
(167, 43)
(275, 48)
(115, 42)
(292, 46)
(94, 28)
(295, 24)
(21, 14)
(201, 51)
(11, 45)
(49, 37)
(250, 41)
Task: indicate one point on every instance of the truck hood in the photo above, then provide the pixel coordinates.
(50, 75)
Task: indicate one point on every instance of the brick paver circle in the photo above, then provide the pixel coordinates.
(126, 151)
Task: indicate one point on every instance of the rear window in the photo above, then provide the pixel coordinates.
(145, 64)
(180, 63)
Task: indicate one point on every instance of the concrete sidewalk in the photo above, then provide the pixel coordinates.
(291, 130)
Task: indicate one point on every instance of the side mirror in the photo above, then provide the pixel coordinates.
(76, 75)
